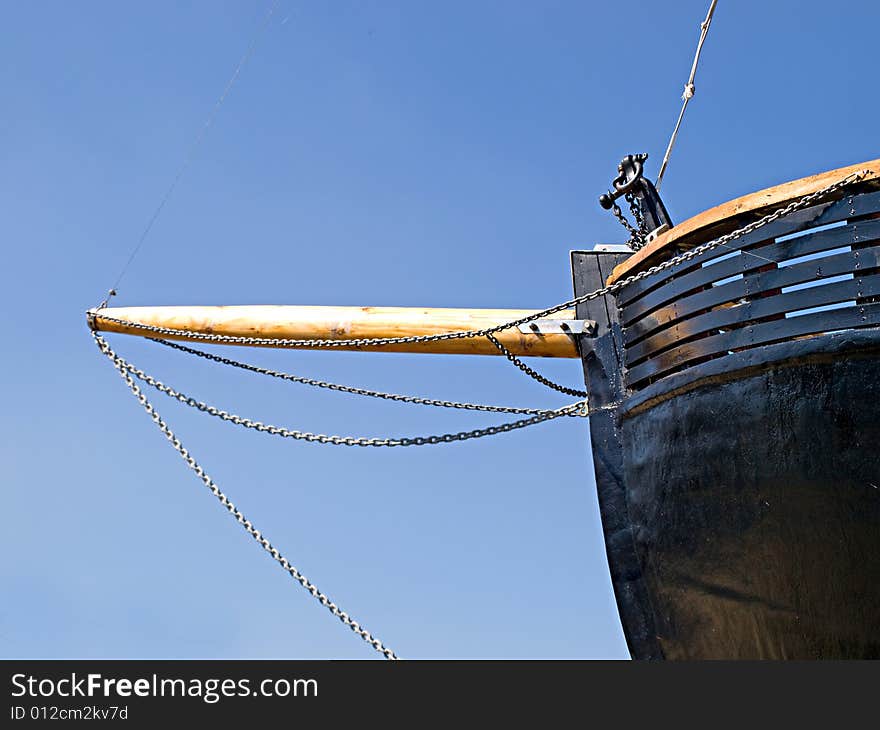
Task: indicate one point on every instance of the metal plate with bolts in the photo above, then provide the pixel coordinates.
(548, 326)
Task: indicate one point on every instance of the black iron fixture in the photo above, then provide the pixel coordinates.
(644, 200)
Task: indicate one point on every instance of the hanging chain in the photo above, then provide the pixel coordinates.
(534, 374)
(466, 334)
(578, 408)
(636, 235)
(294, 573)
(358, 391)
(636, 210)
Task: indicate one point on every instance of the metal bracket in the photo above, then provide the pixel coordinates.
(630, 170)
(549, 326)
(652, 236)
(632, 182)
(611, 248)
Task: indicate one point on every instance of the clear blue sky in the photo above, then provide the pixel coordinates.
(441, 154)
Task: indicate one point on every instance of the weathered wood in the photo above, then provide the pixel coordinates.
(727, 216)
(347, 323)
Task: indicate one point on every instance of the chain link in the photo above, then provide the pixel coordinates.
(466, 334)
(294, 573)
(358, 391)
(638, 234)
(534, 374)
(578, 408)
(636, 237)
(636, 210)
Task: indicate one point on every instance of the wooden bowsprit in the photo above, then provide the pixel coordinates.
(546, 337)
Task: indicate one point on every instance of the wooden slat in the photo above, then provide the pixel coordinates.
(726, 216)
(751, 260)
(755, 335)
(347, 323)
(851, 206)
(757, 283)
(753, 311)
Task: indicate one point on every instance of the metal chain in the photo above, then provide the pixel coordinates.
(534, 374)
(636, 237)
(358, 391)
(466, 334)
(636, 211)
(294, 573)
(579, 408)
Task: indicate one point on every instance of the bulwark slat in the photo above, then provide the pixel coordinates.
(754, 335)
(753, 285)
(755, 310)
(751, 260)
(852, 206)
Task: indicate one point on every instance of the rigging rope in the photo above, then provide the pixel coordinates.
(689, 91)
(197, 141)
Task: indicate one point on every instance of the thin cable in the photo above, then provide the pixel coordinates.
(689, 91)
(196, 143)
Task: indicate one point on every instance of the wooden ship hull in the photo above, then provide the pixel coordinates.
(738, 475)
(735, 424)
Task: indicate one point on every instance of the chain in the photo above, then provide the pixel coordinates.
(636, 210)
(357, 391)
(578, 408)
(636, 240)
(465, 334)
(636, 237)
(294, 573)
(534, 374)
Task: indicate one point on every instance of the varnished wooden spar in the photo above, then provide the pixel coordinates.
(347, 323)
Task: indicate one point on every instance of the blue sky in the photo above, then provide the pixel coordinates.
(437, 154)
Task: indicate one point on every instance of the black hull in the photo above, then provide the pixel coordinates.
(760, 525)
(740, 491)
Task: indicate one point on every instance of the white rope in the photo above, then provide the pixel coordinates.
(689, 91)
